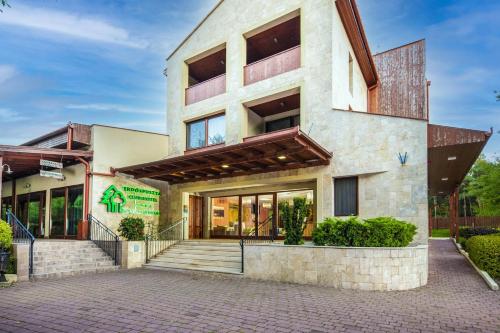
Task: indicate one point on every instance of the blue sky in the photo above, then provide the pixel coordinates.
(102, 61)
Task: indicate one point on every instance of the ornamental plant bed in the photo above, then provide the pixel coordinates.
(484, 251)
(375, 232)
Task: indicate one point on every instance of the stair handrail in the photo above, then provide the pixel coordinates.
(254, 237)
(105, 238)
(21, 235)
(163, 239)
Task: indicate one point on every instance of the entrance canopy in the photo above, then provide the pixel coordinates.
(25, 160)
(451, 153)
(281, 150)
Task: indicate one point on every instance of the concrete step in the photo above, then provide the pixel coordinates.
(196, 262)
(202, 256)
(209, 243)
(60, 274)
(192, 267)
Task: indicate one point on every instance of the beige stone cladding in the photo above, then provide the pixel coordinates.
(339, 267)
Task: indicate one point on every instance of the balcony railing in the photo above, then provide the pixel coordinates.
(276, 64)
(206, 89)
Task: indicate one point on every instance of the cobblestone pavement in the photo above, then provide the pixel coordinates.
(455, 300)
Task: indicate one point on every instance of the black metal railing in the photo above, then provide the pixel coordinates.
(157, 242)
(21, 235)
(257, 237)
(106, 239)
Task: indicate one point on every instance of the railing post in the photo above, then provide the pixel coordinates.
(242, 245)
(147, 249)
(116, 250)
(183, 226)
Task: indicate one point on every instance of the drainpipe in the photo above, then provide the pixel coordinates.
(88, 174)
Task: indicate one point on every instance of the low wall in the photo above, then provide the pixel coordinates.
(133, 254)
(22, 254)
(340, 267)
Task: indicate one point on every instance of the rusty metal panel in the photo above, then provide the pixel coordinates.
(441, 136)
(206, 89)
(402, 82)
(274, 65)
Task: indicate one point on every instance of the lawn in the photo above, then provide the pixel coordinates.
(440, 232)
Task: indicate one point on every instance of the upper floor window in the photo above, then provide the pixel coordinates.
(206, 132)
(345, 193)
(351, 74)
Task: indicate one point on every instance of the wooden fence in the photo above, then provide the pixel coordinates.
(469, 221)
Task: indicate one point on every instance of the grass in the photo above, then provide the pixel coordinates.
(440, 232)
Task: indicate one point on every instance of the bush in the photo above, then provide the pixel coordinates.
(132, 228)
(12, 265)
(485, 252)
(479, 231)
(293, 219)
(376, 232)
(5, 236)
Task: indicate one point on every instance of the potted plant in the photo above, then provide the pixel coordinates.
(5, 244)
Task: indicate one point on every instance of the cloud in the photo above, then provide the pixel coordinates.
(7, 115)
(113, 108)
(6, 73)
(69, 24)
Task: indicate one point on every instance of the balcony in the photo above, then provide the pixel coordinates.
(279, 63)
(206, 89)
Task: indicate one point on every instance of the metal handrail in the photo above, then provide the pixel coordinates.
(105, 238)
(21, 235)
(160, 241)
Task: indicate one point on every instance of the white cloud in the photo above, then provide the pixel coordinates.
(6, 73)
(69, 24)
(7, 115)
(113, 108)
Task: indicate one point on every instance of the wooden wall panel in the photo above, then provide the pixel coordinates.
(402, 82)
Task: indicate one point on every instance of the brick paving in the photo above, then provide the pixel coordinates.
(455, 300)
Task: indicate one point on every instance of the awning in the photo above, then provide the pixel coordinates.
(451, 153)
(25, 160)
(276, 151)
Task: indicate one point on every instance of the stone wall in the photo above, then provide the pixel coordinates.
(339, 267)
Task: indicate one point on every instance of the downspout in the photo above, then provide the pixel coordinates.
(88, 174)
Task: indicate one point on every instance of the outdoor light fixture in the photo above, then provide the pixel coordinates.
(222, 62)
(444, 179)
(8, 171)
(275, 40)
(282, 157)
(452, 158)
(225, 166)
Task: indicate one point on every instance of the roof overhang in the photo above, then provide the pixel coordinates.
(276, 151)
(25, 160)
(451, 153)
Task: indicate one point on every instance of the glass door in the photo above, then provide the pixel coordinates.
(248, 214)
(75, 209)
(265, 221)
(30, 211)
(57, 212)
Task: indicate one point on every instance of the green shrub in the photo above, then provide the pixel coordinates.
(376, 232)
(294, 220)
(5, 235)
(478, 231)
(12, 265)
(132, 228)
(485, 252)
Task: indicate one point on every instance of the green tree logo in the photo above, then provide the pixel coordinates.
(114, 199)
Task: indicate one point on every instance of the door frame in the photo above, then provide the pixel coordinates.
(41, 209)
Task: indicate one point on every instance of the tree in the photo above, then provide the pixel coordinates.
(4, 3)
(294, 219)
(497, 93)
(483, 184)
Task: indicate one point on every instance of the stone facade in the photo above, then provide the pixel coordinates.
(340, 267)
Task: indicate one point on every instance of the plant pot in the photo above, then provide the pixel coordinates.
(4, 262)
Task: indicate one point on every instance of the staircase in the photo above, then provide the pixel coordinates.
(60, 258)
(209, 256)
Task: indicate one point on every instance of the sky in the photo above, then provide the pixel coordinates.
(100, 61)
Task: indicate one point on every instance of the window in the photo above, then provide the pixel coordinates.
(283, 123)
(346, 196)
(351, 75)
(206, 132)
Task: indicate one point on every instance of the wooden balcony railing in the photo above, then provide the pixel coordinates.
(276, 64)
(206, 89)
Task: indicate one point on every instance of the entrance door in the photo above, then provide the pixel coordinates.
(195, 217)
(265, 221)
(30, 211)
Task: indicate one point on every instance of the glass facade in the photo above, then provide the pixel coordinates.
(206, 132)
(225, 216)
(288, 197)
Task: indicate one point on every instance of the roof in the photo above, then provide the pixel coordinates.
(281, 150)
(451, 153)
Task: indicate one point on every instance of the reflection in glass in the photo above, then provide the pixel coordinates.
(216, 130)
(6, 205)
(57, 207)
(248, 211)
(196, 134)
(266, 208)
(225, 216)
(75, 209)
(288, 197)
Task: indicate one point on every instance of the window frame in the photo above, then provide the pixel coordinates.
(206, 121)
(351, 74)
(356, 188)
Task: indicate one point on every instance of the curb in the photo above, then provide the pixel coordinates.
(486, 277)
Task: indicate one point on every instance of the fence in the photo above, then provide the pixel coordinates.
(469, 221)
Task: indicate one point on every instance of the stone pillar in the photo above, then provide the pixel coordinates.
(133, 254)
(22, 255)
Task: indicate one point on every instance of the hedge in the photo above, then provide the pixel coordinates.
(478, 231)
(376, 232)
(485, 252)
(132, 228)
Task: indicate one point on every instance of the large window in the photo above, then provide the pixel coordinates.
(225, 216)
(206, 132)
(283, 123)
(66, 210)
(6, 205)
(346, 196)
(288, 197)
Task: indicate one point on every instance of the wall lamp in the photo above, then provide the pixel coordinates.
(8, 171)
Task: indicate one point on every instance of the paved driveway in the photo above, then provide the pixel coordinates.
(455, 300)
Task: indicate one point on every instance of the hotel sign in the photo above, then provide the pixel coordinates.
(51, 164)
(52, 174)
(131, 200)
